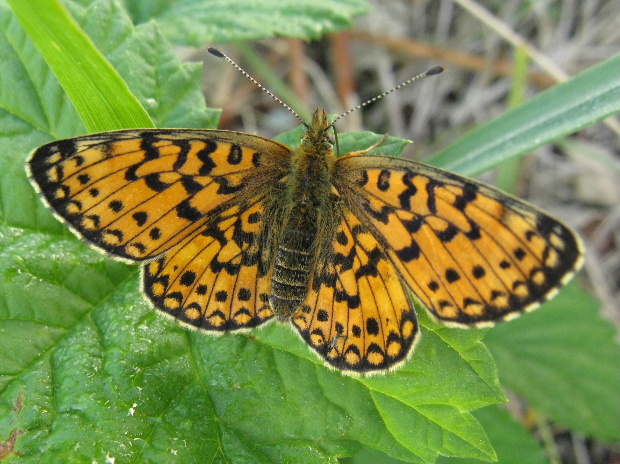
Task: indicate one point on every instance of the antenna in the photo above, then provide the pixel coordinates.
(430, 72)
(219, 54)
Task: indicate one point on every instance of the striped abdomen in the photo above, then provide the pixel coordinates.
(291, 273)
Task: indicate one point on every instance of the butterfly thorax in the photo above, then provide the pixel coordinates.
(306, 210)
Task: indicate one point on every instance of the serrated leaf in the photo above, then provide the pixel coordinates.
(564, 359)
(193, 22)
(509, 438)
(418, 402)
(170, 91)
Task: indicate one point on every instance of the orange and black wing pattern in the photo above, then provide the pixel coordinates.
(218, 279)
(473, 255)
(357, 315)
(138, 193)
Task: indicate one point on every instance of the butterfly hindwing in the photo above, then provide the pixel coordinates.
(138, 193)
(472, 254)
(357, 315)
(218, 279)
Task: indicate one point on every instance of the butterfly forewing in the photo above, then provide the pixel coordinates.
(472, 255)
(136, 194)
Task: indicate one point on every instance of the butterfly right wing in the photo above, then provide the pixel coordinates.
(219, 279)
(137, 193)
(473, 255)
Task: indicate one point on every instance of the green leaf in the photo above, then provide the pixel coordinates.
(564, 359)
(170, 91)
(514, 445)
(193, 22)
(347, 143)
(566, 108)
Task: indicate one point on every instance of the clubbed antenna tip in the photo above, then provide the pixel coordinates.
(435, 70)
(216, 52)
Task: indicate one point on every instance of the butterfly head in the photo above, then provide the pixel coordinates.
(318, 137)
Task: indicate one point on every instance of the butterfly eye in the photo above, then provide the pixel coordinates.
(330, 138)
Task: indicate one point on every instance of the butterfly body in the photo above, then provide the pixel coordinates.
(235, 230)
(307, 210)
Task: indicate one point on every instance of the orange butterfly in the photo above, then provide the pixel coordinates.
(236, 229)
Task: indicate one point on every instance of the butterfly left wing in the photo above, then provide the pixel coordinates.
(472, 254)
(357, 316)
(217, 280)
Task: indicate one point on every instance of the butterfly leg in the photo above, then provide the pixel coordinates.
(369, 149)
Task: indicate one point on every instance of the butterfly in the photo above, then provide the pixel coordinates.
(235, 230)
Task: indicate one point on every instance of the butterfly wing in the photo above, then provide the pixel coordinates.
(137, 193)
(218, 279)
(357, 315)
(472, 254)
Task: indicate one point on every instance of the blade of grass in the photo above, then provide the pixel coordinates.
(101, 97)
(509, 172)
(589, 97)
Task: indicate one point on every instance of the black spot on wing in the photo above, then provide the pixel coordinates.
(413, 225)
(155, 233)
(245, 294)
(372, 326)
(202, 289)
(204, 156)
(383, 182)
(470, 192)
(478, 272)
(370, 268)
(140, 217)
(431, 201)
(190, 185)
(186, 211)
(448, 233)
(362, 179)
(405, 197)
(452, 275)
(188, 278)
(116, 206)
(409, 253)
(154, 182)
(235, 155)
(226, 188)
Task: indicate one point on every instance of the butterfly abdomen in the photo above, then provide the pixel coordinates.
(296, 249)
(291, 273)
